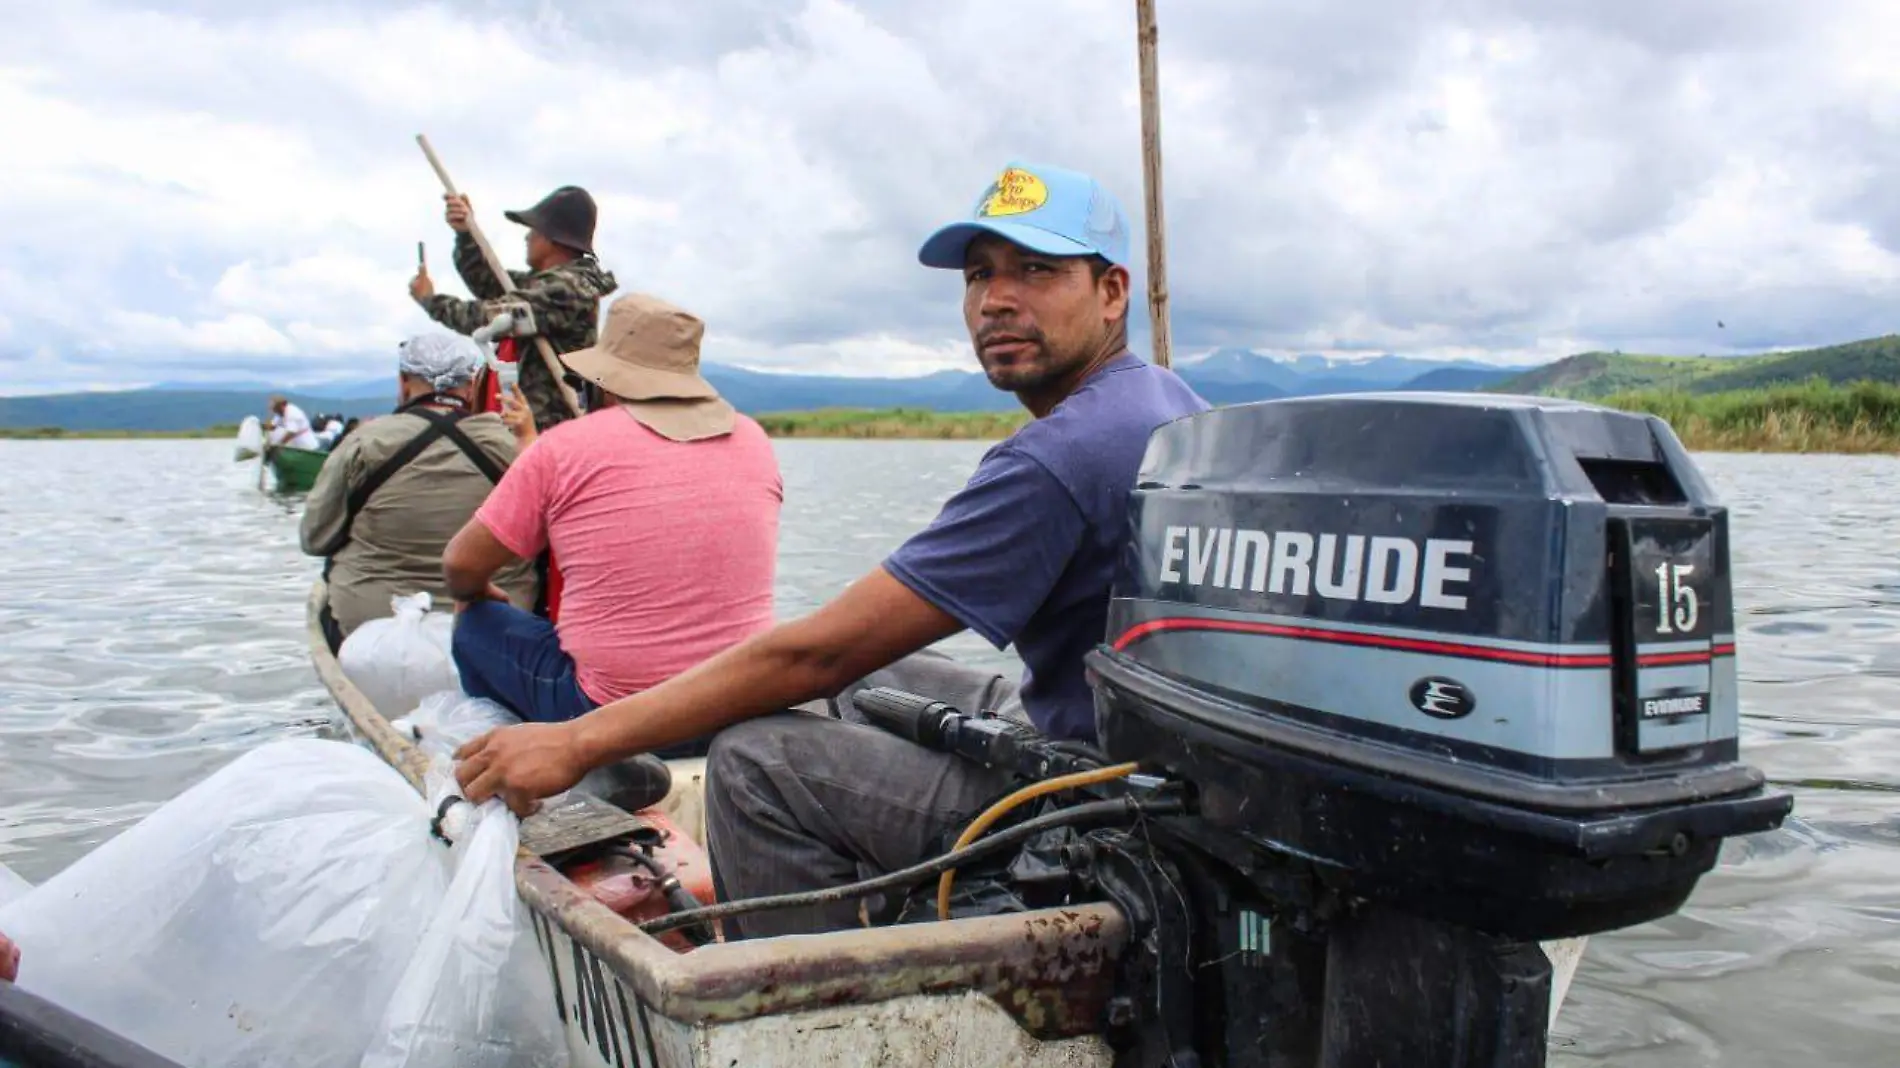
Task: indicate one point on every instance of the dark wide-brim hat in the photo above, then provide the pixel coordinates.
(565, 217)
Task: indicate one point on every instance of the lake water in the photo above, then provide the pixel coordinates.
(151, 629)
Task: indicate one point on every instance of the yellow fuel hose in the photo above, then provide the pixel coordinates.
(1002, 808)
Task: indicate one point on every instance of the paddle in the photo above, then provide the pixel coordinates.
(263, 459)
(1146, 41)
(507, 281)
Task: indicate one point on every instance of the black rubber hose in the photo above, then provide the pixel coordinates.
(678, 898)
(1108, 812)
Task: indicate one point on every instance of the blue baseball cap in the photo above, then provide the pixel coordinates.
(1051, 210)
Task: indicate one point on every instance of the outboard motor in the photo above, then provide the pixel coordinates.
(1412, 683)
(1442, 675)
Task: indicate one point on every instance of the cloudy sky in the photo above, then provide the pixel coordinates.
(229, 189)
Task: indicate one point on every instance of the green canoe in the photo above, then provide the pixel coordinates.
(296, 469)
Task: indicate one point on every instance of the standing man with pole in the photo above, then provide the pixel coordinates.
(556, 301)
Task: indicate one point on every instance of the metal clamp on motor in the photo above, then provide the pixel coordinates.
(991, 741)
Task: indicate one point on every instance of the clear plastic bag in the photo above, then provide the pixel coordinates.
(443, 721)
(294, 910)
(399, 660)
(476, 993)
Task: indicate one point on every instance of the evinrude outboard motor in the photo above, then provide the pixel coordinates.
(1443, 675)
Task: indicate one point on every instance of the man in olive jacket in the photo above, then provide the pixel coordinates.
(398, 488)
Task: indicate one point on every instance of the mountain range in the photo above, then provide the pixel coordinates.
(1596, 375)
(1226, 376)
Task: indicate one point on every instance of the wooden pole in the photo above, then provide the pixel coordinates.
(1151, 183)
(501, 274)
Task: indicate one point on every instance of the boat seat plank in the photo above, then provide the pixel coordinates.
(574, 821)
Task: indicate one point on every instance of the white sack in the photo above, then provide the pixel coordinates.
(250, 438)
(293, 910)
(401, 659)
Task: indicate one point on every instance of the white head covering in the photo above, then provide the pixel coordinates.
(445, 361)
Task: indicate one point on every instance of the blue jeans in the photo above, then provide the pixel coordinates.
(514, 658)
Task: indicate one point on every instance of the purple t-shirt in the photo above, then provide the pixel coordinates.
(1026, 551)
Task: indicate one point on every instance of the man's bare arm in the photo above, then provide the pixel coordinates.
(470, 561)
(873, 622)
(876, 621)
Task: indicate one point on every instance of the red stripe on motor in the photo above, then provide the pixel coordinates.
(1416, 645)
(1673, 659)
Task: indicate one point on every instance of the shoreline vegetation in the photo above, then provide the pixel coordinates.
(1813, 417)
(57, 433)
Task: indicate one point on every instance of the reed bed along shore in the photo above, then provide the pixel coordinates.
(891, 423)
(1813, 417)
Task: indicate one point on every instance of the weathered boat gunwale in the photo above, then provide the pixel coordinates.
(1051, 970)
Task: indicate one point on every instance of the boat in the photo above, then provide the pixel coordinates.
(1026, 990)
(36, 1032)
(295, 469)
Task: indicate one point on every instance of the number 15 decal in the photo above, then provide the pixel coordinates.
(1675, 598)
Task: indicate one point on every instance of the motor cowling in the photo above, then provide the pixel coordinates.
(1472, 655)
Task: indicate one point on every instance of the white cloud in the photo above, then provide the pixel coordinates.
(341, 302)
(1513, 182)
(877, 356)
(142, 333)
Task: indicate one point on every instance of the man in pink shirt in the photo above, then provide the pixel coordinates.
(662, 506)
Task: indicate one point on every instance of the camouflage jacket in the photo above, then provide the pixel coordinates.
(566, 299)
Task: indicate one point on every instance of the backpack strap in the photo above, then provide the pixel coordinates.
(483, 462)
(440, 426)
(494, 471)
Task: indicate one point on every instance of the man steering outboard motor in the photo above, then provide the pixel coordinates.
(1421, 679)
(1441, 676)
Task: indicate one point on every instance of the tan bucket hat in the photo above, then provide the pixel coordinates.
(648, 355)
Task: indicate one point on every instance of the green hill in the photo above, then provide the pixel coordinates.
(1596, 375)
(161, 410)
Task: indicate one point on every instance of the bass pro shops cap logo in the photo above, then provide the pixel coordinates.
(1442, 698)
(1016, 192)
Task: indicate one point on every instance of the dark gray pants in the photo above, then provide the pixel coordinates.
(798, 801)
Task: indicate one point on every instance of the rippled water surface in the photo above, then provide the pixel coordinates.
(151, 628)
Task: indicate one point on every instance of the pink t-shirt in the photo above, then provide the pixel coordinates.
(667, 549)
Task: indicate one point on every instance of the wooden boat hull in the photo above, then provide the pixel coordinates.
(994, 992)
(34, 1031)
(295, 469)
(1018, 991)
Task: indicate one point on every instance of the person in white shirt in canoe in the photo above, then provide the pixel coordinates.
(289, 425)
